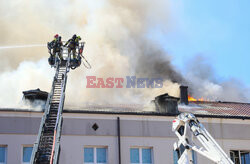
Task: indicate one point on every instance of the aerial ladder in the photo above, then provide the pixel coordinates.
(186, 126)
(46, 149)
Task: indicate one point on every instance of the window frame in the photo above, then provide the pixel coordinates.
(140, 153)
(239, 152)
(95, 154)
(23, 146)
(6, 151)
(176, 156)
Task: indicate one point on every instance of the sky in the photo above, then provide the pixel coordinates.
(217, 30)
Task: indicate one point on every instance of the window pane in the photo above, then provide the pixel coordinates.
(175, 152)
(134, 155)
(27, 151)
(242, 160)
(88, 154)
(245, 158)
(2, 154)
(146, 156)
(232, 156)
(194, 156)
(101, 155)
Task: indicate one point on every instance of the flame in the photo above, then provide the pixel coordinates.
(190, 98)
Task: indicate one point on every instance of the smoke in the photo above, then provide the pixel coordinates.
(28, 75)
(154, 62)
(37, 105)
(116, 46)
(203, 83)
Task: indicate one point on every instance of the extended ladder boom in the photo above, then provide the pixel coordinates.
(185, 126)
(47, 147)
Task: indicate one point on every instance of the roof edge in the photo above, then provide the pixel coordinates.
(130, 113)
(155, 114)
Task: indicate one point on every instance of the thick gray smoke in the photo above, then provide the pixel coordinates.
(203, 83)
(117, 45)
(152, 61)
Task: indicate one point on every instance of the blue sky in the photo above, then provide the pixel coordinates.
(217, 30)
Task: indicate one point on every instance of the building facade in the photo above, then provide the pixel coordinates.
(110, 137)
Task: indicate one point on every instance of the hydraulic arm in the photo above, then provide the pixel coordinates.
(186, 126)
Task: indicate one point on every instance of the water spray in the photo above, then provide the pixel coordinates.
(22, 46)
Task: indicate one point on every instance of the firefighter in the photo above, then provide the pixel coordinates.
(59, 45)
(72, 44)
(56, 45)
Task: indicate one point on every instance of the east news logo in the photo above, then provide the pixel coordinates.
(128, 82)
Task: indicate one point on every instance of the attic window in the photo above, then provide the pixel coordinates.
(95, 126)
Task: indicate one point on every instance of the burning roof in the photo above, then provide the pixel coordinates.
(213, 109)
(167, 105)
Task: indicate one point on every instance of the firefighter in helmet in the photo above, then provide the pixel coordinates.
(55, 45)
(72, 44)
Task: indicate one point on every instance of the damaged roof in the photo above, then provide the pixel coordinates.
(199, 108)
(35, 94)
(217, 109)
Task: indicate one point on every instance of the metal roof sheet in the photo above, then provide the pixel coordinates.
(217, 108)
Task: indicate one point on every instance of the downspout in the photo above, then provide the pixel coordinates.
(119, 139)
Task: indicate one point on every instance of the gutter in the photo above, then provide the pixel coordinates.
(119, 139)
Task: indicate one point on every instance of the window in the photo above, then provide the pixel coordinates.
(176, 156)
(179, 152)
(194, 156)
(140, 155)
(27, 151)
(95, 155)
(240, 157)
(3, 154)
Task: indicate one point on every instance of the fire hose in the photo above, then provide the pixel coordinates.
(86, 65)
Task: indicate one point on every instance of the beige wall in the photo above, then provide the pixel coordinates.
(15, 143)
(72, 147)
(20, 128)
